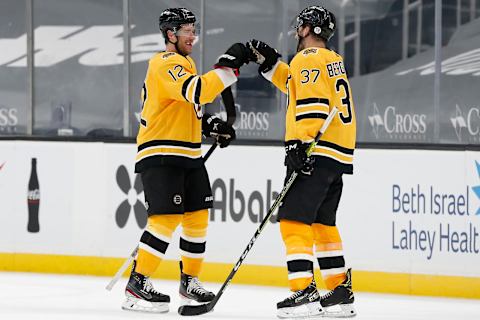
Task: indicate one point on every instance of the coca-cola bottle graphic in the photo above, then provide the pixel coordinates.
(33, 199)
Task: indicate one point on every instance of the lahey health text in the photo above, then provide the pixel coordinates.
(433, 222)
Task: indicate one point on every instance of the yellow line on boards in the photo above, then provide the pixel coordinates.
(384, 282)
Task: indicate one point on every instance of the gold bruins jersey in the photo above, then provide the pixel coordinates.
(171, 119)
(315, 82)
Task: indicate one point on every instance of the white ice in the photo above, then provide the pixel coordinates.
(47, 296)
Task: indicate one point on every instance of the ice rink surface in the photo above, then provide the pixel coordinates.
(46, 296)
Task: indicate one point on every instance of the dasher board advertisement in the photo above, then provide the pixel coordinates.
(403, 211)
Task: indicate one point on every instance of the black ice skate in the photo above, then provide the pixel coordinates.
(191, 289)
(141, 296)
(301, 304)
(339, 301)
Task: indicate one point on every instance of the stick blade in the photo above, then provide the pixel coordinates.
(194, 310)
(110, 286)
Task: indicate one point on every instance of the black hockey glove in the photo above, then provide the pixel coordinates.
(217, 128)
(235, 57)
(263, 54)
(296, 157)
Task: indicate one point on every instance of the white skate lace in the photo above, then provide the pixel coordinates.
(295, 295)
(148, 287)
(327, 295)
(196, 286)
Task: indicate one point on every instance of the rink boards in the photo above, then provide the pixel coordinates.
(409, 219)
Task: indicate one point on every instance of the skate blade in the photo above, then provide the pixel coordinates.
(340, 311)
(307, 310)
(185, 301)
(140, 305)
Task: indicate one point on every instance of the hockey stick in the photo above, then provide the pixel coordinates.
(204, 308)
(229, 103)
(122, 269)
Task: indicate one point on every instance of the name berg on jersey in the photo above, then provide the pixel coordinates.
(335, 69)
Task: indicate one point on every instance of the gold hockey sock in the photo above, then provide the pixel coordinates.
(329, 253)
(298, 239)
(154, 242)
(193, 241)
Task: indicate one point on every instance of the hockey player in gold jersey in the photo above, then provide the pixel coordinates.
(176, 185)
(315, 82)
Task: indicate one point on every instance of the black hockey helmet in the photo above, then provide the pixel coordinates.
(321, 21)
(173, 18)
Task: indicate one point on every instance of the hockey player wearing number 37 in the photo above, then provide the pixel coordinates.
(176, 185)
(315, 82)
